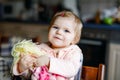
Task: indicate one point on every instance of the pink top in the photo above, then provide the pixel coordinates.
(66, 63)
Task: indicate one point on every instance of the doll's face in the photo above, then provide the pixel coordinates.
(61, 33)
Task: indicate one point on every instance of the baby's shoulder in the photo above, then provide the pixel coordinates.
(44, 45)
(75, 47)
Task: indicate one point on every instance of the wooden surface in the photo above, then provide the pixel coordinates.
(93, 73)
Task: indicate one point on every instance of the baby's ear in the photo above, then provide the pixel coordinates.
(76, 40)
(72, 43)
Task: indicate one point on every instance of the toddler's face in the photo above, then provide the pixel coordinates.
(62, 32)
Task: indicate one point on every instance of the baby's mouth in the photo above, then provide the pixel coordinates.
(57, 38)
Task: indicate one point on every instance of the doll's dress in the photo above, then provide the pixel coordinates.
(40, 73)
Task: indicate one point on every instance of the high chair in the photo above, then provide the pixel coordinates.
(93, 73)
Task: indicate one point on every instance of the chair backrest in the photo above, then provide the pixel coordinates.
(101, 72)
(93, 73)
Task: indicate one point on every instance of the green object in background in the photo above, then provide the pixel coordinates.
(108, 20)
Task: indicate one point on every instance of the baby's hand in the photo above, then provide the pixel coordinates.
(26, 62)
(42, 61)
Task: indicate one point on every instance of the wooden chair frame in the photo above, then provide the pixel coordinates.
(93, 73)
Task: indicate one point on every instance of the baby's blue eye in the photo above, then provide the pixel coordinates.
(55, 27)
(67, 31)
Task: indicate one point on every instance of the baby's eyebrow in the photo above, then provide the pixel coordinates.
(67, 28)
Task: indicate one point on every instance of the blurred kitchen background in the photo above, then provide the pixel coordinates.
(29, 19)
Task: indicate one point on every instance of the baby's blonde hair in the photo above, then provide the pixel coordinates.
(78, 26)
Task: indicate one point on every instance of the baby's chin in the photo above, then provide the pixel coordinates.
(58, 46)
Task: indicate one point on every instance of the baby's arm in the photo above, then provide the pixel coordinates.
(69, 66)
(60, 78)
(23, 65)
(42, 61)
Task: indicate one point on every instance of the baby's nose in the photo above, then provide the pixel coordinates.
(59, 31)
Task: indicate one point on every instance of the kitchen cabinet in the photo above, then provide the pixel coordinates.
(113, 62)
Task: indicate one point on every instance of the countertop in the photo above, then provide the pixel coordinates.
(114, 26)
